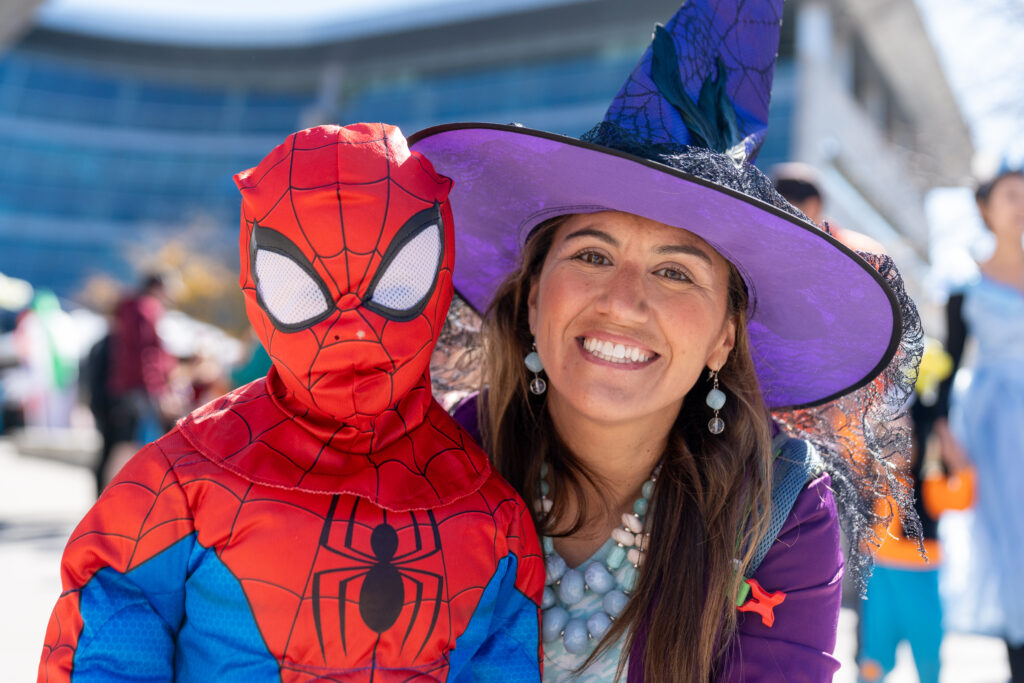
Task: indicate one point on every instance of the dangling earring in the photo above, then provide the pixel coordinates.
(715, 401)
(537, 385)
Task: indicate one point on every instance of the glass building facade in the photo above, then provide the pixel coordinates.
(93, 161)
(98, 160)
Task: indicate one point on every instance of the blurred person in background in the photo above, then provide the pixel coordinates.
(47, 346)
(200, 378)
(988, 420)
(800, 184)
(141, 405)
(15, 294)
(93, 376)
(903, 592)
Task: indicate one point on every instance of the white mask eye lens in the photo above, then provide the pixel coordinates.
(287, 291)
(412, 273)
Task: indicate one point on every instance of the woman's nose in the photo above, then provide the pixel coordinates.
(623, 295)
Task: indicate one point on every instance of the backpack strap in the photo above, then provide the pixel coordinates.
(796, 463)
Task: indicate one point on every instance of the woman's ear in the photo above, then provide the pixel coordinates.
(531, 304)
(724, 345)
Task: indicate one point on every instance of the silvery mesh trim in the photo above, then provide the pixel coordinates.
(864, 438)
(289, 294)
(457, 359)
(698, 161)
(411, 274)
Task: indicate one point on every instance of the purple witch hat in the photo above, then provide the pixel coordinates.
(705, 80)
(675, 147)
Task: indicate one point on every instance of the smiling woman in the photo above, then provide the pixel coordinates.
(649, 299)
(637, 323)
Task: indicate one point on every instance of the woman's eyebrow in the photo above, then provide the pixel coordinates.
(593, 232)
(666, 249)
(684, 249)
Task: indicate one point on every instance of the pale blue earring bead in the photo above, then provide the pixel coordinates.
(533, 363)
(715, 400)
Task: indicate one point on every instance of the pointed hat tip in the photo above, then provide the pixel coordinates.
(705, 79)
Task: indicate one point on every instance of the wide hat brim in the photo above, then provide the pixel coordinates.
(822, 322)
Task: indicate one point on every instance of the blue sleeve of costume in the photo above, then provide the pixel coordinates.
(131, 620)
(135, 628)
(500, 643)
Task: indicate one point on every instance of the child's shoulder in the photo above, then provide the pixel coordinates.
(498, 498)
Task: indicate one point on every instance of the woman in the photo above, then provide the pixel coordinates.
(613, 418)
(632, 318)
(991, 310)
(665, 299)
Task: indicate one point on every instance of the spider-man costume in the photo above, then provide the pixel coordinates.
(331, 521)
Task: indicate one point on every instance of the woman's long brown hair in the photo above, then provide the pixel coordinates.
(710, 502)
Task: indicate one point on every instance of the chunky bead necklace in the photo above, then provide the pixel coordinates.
(614, 578)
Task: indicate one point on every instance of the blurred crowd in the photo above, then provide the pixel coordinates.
(124, 374)
(955, 566)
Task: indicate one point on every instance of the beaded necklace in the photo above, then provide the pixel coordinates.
(614, 578)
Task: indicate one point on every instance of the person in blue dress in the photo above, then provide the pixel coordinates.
(988, 421)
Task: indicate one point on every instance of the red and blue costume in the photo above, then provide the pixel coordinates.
(329, 522)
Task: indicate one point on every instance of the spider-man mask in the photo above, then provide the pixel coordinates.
(346, 258)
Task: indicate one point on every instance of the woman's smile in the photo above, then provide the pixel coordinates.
(616, 353)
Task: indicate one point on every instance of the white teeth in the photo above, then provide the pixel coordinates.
(616, 353)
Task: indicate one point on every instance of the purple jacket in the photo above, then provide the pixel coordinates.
(806, 563)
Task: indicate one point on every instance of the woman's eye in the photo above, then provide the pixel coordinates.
(593, 258)
(673, 274)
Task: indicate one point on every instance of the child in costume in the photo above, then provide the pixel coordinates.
(903, 591)
(329, 521)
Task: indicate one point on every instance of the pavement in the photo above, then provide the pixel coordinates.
(44, 494)
(40, 503)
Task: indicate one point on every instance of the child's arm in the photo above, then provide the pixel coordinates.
(502, 642)
(123, 575)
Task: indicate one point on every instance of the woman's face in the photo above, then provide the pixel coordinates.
(627, 313)
(1003, 211)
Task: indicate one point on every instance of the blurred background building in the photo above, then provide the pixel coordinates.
(117, 138)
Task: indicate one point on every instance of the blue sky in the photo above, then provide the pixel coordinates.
(981, 44)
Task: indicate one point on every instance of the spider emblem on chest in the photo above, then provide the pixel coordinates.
(391, 571)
